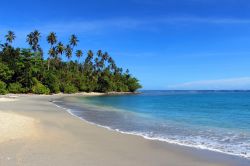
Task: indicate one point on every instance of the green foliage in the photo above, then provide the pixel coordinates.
(15, 88)
(133, 84)
(39, 88)
(24, 70)
(68, 88)
(3, 90)
(5, 72)
(52, 82)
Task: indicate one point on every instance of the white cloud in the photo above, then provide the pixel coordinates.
(242, 83)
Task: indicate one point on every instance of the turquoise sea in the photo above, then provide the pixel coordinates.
(213, 120)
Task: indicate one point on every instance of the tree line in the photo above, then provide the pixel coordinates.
(24, 70)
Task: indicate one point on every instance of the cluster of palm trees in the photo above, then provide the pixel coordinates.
(98, 72)
(56, 50)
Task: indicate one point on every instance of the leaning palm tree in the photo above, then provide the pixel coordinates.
(10, 37)
(51, 39)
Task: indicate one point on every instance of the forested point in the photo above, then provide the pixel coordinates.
(24, 70)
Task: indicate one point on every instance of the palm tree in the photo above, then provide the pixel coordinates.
(99, 53)
(36, 37)
(33, 40)
(29, 39)
(79, 54)
(68, 52)
(10, 37)
(105, 56)
(60, 48)
(73, 41)
(51, 39)
(90, 55)
(52, 52)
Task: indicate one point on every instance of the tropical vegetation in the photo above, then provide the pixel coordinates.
(25, 70)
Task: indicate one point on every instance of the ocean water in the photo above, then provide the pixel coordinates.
(213, 120)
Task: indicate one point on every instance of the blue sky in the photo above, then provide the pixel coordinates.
(167, 44)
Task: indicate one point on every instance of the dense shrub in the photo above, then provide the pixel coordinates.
(15, 88)
(39, 88)
(52, 82)
(68, 88)
(83, 87)
(133, 84)
(120, 87)
(3, 90)
(5, 72)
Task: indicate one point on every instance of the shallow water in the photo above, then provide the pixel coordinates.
(218, 121)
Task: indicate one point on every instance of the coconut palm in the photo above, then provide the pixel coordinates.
(51, 39)
(90, 54)
(99, 53)
(79, 54)
(105, 56)
(36, 37)
(10, 37)
(29, 39)
(73, 40)
(33, 40)
(60, 48)
(52, 52)
(68, 52)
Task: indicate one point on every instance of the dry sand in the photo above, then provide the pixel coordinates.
(34, 132)
(5, 99)
(14, 126)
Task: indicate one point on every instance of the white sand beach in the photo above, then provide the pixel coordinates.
(34, 132)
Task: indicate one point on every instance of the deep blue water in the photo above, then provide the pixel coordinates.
(218, 121)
